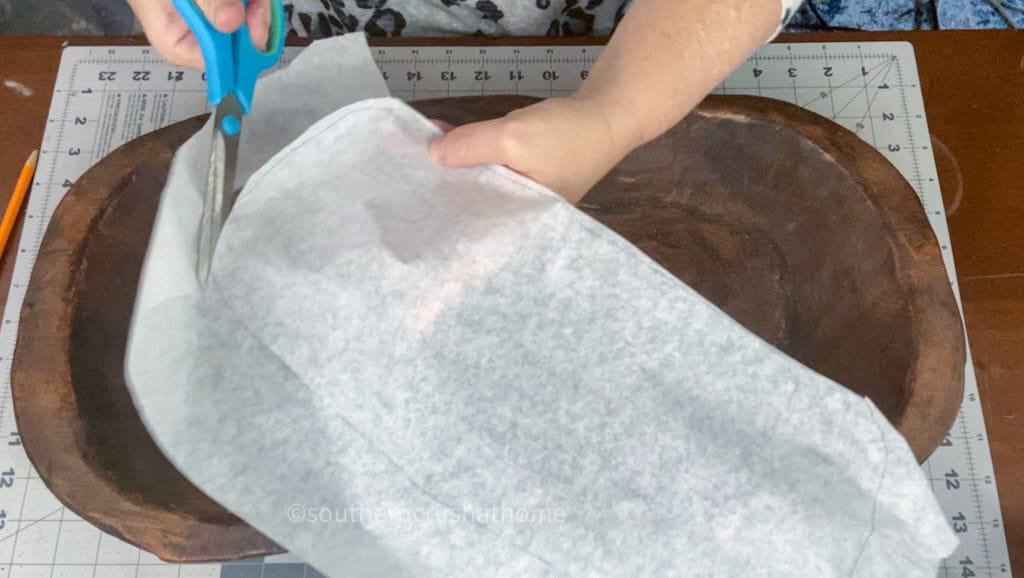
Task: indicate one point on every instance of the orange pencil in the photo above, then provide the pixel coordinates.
(17, 199)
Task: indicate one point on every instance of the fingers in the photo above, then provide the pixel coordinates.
(477, 143)
(171, 37)
(225, 15)
(185, 52)
(167, 32)
(257, 16)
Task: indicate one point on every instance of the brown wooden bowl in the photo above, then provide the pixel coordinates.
(788, 222)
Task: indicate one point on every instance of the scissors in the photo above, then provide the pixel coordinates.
(232, 66)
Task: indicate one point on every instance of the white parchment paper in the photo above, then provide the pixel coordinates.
(404, 370)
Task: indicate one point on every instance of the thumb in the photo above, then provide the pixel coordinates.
(471, 144)
(167, 32)
(225, 15)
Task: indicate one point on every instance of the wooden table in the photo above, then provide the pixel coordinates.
(973, 85)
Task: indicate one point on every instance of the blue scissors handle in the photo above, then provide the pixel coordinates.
(232, 62)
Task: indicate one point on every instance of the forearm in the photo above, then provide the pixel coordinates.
(666, 55)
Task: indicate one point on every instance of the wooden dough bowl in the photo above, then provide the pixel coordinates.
(788, 222)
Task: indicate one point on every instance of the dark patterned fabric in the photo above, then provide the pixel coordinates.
(322, 18)
(114, 17)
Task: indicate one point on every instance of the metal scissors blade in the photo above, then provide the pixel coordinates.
(232, 66)
(220, 194)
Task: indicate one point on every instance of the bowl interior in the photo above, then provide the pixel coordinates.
(782, 239)
(767, 225)
(112, 437)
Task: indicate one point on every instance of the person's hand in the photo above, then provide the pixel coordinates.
(171, 37)
(565, 144)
